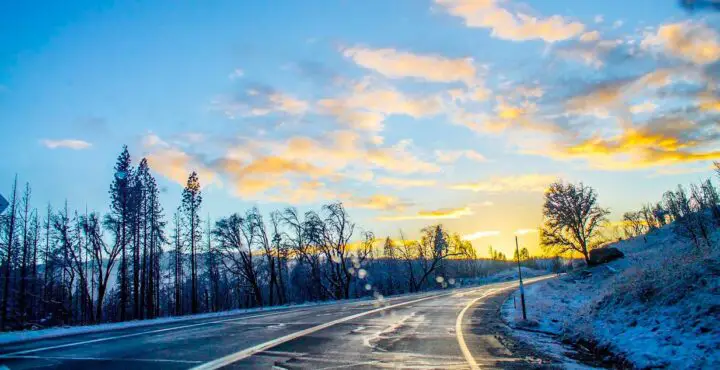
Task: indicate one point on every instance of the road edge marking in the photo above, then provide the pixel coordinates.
(458, 322)
(105, 339)
(459, 334)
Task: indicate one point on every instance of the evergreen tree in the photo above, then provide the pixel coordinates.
(190, 207)
(120, 207)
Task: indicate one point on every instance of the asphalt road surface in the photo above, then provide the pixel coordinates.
(451, 329)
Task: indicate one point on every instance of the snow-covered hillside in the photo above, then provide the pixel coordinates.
(657, 307)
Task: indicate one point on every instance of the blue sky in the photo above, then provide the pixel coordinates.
(410, 112)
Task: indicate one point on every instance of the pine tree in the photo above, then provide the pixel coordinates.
(191, 202)
(155, 240)
(120, 209)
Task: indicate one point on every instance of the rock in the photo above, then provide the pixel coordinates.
(604, 255)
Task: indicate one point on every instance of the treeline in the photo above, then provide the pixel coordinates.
(696, 214)
(62, 267)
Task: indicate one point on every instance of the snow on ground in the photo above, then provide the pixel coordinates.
(657, 307)
(29, 335)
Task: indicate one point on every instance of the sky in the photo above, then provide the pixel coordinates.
(409, 112)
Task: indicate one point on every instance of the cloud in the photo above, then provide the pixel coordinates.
(611, 94)
(366, 106)
(438, 214)
(399, 64)
(644, 107)
(686, 40)
(506, 25)
(237, 73)
(174, 163)
(402, 183)
(590, 50)
(659, 143)
(520, 183)
(590, 36)
(73, 144)
(380, 202)
(297, 168)
(255, 102)
(449, 156)
(481, 234)
(525, 231)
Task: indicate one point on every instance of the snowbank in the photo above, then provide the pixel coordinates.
(657, 307)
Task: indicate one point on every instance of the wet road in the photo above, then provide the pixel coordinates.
(452, 329)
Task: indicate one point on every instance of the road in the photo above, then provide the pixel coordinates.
(452, 329)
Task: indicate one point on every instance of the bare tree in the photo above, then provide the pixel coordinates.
(262, 238)
(305, 237)
(572, 219)
(633, 224)
(337, 230)
(235, 239)
(9, 245)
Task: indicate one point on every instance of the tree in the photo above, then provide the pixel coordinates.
(235, 240)
(633, 224)
(337, 230)
(120, 207)
(104, 257)
(178, 261)
(191, 202)
(262, 238)
(572, 219)
(9, 245)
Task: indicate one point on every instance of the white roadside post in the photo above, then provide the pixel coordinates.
(522, 290)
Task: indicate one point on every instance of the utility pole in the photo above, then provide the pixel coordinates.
(522, 290)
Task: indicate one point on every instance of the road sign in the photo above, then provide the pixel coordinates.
(3, 203)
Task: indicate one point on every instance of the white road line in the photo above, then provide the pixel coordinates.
(245, 353)
(73, 344)
(104, 359)
(458, 322)
(461, 338)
